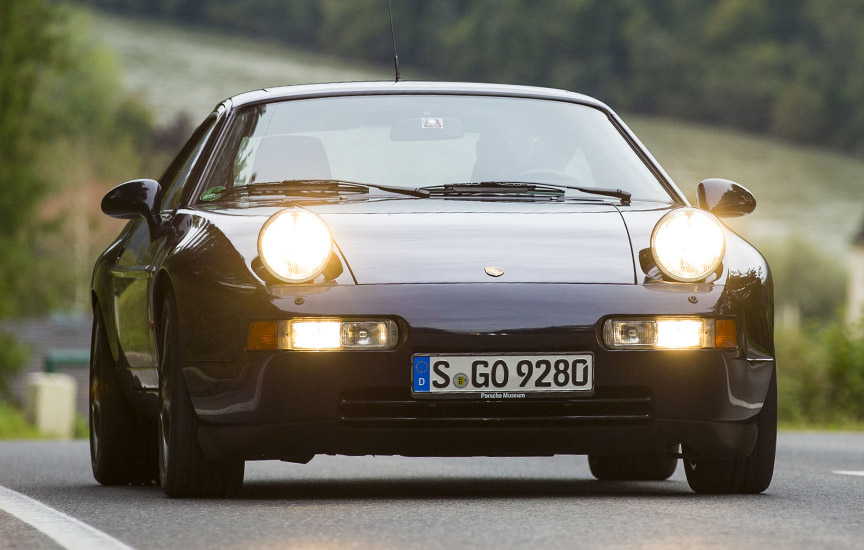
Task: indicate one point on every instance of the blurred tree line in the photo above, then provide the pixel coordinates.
(790, 68)
(66, 126)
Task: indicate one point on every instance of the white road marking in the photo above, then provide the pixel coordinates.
(66, 531)
(849, 473)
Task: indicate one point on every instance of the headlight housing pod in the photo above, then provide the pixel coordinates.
(688, 244)
(295, 245)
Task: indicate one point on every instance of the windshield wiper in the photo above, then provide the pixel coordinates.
(312, 185)
(521, 187)
(492, 188)
(484, 188)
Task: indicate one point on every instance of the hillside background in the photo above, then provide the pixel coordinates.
(791, 68)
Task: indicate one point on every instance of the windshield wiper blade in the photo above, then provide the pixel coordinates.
(604, 191)
(493, 188)
(521, 188)
(316, 185)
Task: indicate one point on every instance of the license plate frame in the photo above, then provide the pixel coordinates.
(580, 367)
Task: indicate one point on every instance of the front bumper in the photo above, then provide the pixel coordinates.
(299, 442)
(285, 404)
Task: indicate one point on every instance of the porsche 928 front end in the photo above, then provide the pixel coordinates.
(422, 341)
(428, 269)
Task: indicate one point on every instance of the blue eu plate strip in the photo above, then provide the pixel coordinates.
(421, 373)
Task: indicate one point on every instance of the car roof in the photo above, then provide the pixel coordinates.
(408, 87)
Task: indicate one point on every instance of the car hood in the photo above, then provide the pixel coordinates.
(454, 241)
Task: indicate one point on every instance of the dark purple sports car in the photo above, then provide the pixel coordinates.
(427, 269)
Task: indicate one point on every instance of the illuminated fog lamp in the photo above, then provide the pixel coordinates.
(262, 335)
(683, 334)
(316, 334)
(312, 334)
(670, 333)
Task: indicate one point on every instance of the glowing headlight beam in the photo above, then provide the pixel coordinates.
(295, 245)
(688, 244)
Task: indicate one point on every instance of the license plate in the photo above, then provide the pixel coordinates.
(502, 376)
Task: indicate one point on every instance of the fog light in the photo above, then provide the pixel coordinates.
(317, 334)
(670, 333)
(682, 334)
(630, 333)
(368, 334)
(314, 334)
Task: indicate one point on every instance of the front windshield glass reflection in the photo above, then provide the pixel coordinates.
(425, 140)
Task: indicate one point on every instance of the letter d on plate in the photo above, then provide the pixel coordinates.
(421, 373)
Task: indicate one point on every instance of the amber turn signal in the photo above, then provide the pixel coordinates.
(725, 334)
(262, 335)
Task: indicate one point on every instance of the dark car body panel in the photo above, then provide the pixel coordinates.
(568, 265)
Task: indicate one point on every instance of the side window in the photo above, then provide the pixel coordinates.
(183, 165)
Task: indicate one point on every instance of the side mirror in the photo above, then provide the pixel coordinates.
(724, 198)
(133, 199)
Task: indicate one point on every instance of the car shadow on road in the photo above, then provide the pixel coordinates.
(459, 488)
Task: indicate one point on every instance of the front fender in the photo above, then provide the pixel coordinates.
(102, 293)
(220, 283)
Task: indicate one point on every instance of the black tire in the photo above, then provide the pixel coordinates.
(184, 471)
(750, 475)
(122, 446)
(633, 467)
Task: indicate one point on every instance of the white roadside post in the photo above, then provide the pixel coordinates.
(49, 403)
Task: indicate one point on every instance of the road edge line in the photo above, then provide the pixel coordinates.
(856, 473)
(68, 532)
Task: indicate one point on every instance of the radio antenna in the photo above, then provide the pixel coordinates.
(393, 33)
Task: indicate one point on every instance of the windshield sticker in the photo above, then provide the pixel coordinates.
(212, 194)
(435, 123)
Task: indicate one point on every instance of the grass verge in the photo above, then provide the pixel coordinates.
(837, 426)
(14, 426)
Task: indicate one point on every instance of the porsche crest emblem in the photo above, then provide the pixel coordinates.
(494, 271)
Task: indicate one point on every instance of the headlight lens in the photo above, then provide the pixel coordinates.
(295, 245)
(688, 244)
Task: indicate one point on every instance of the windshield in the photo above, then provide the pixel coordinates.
(412, 141)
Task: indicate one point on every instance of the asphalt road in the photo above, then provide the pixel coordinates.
(393, 502)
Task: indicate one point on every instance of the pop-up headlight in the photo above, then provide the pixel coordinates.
(688, 244)
(294, 245)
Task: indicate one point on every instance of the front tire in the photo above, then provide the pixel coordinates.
(122, 447)
(637, 467)
(750, 475)
(184, 471)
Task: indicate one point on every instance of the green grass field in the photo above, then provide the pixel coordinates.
(814, 193)
(178, 69)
